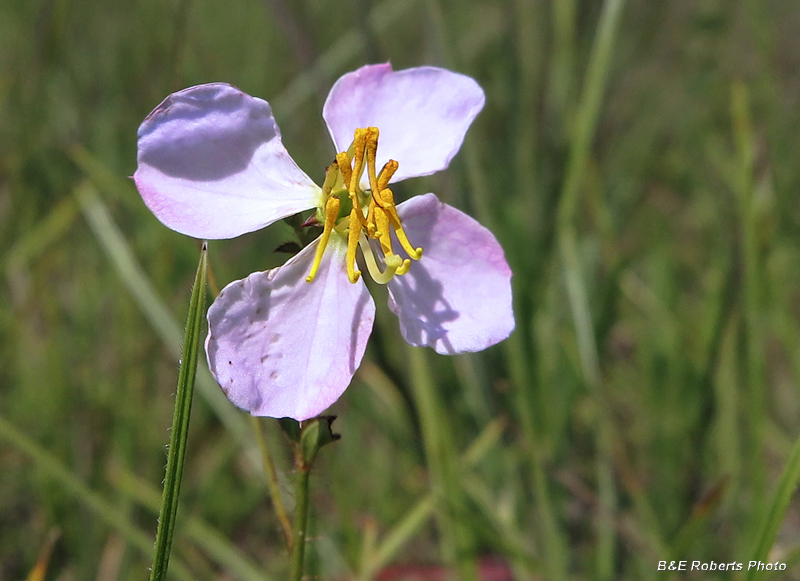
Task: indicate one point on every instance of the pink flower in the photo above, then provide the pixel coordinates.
(286, 342)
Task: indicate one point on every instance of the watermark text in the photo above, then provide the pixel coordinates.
(714, 566)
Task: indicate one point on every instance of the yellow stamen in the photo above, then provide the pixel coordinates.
(372, 231)
(371, 146)
(343, 162)
(352, 243)
(404, 268)
(358, 159)
(331, 173)
(386, 174)
(384, 198)
(345, 173)
(392, 260)
(382, 225)
(391, 210)
(392, 267)
(331, 212)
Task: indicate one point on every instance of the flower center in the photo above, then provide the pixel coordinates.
(372, 213)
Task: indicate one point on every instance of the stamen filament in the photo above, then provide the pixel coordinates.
(372, 265)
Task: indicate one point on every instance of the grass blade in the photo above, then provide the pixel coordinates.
(180, 421)
(777, 509)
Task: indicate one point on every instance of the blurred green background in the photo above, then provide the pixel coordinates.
(637, 160)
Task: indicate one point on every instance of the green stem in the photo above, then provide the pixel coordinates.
(308, 437)
(272, 482)
(180, 422)
(300, 517)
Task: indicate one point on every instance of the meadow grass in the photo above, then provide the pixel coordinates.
(637, 160)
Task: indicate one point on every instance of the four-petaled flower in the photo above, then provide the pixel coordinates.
(286, 342)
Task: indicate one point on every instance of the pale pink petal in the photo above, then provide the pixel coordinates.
(457, 297)
(212, 165)
(422, 114)
(281, 347)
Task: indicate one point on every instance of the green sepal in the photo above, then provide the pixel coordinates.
(316, 433)
(291, 428)
(305, 235)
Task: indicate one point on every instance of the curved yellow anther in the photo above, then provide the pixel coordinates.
(386, 174)
(382, 226)
(352, 243)
(359, 143)
(331, 212)
(371, 146)
(404, 268)
(415, 253)
(331, 173)
(343, 163)
(391, 211)
(372, 230)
